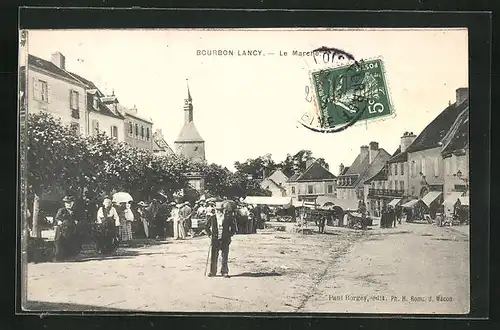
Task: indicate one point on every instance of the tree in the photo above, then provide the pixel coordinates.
(216, 179)
(259, 167)
(53, 149)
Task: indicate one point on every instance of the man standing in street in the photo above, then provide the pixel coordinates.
(221, 229)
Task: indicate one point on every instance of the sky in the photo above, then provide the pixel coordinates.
(248, 106)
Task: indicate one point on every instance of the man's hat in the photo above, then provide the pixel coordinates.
(141, 203)
(68, 199)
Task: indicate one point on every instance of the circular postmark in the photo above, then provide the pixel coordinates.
(342, 91)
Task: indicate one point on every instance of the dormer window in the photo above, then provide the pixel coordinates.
(95, 105)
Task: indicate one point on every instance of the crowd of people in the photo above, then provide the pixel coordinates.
(390, 216)
(116, 223)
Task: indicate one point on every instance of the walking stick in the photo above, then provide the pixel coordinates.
(208, 257)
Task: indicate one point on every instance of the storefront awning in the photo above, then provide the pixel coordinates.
(431, 197)
(411, 203)
(464, 200)
(452, 198)
(297, 203)
(395, 202)
(345, 204)
(264, 200)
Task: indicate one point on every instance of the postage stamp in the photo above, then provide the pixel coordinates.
(196, 191)
(351, 93)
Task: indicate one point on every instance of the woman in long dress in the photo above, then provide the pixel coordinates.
(126, 218)
(181, 226)
(174, 217)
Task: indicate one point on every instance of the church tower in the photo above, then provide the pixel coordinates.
(189, 143)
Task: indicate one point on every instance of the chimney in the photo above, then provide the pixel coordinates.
(59, 60)
(406, 140)
(159, 133)
(373, 150)
(341, 168)
(363, 151)
(462, 94)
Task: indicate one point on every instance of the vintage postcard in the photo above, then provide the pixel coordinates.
(245, 170)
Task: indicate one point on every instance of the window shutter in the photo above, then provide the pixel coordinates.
(422, 165)
(36, 89)
(49, 93)
(436, 166)
(71, 99)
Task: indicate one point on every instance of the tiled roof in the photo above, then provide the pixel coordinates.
(432, 135)
(316, 172)
(88, 83)
(101, 108)
(398, 156)
(126, 113)
(159, 144)
(278, 176)
(345, 170)
(381, 175)
(458, 137)
(189, 133)
(359, 165)
(377, 163)
(51, 67)
(294, 177)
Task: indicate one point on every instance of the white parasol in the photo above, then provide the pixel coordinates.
(122, 197)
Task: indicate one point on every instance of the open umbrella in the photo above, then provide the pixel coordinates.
(122, 197)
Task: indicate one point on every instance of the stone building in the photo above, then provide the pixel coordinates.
(160, 146)
(455, 153)
(314, 182)
(371, 159)
(138, 129)
(102, 117)
(426, 166)
(53, 89)
(189, 143)
(276, 183)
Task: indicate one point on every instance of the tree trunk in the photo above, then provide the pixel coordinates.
(36, 210)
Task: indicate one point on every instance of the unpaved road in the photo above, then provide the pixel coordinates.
(271, 272)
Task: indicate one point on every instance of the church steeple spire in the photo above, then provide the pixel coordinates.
(188, 106)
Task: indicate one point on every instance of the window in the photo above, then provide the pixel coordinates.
(401, 185)
(436, 166)
(114, 132)
(293, 190)
(95, 126)
(136, 130)
(395, 185)
(41, 90)
(330, 189)
(402, 168)
(310, 189)
(95, 105)
(390, 169)
(422, 166)
(142, 132)
(74, 99)
(147, 133)
(395, 168)
(389, 184)
(130, 129)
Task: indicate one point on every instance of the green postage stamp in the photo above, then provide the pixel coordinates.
(351, 93)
